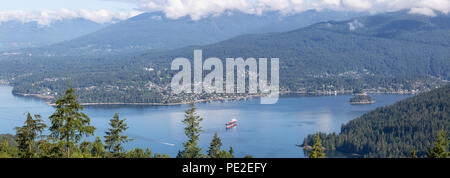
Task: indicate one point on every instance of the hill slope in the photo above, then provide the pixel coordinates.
(393, 131)
(16, 35)
(155, 31)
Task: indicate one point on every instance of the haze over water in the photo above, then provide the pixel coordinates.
(262, 130)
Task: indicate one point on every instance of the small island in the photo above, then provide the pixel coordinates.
(362, 99)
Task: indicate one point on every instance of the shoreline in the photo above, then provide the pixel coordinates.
(234, 99)
(362, 102)
(48, 98)
(34, 95)
(164, 104)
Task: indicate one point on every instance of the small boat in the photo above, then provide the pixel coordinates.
(231, 124)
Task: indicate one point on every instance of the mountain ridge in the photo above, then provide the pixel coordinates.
(145, 32)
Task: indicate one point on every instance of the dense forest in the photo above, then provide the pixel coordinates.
(411, 125)
(394, 52)
(70, 127)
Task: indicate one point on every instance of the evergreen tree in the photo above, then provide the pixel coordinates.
(192, 131)
(214, 147)
(416, 120)
(440, 149)
(50, 148)
(27, 135)
(148, 152)
(4, 146)
(231, 152)
(157, 155)
(69, 125)
(114, 138)
(85, 148)
(317, 151)
(98, 149)
(139, 153)
(224, 154)
(413, 153)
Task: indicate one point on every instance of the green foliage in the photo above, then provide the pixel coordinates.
(5, 155)
(214, 147)
(27, 135)
(4, 146)
(393, 131)
(157, 155)
(114, 138)
(413, 154)
(192, 131)
(85, 147)
(10, 138)
(69, 125)
(6, 149)
(224, 154)
(50, 148)
(139, 153)
(317, 151)
(441, 146)
(98, 148)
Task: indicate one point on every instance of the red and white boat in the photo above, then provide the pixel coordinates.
(231, 124)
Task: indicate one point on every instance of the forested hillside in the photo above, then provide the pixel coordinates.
(396, 130)
(335, 56)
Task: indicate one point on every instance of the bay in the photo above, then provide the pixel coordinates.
(262, 131)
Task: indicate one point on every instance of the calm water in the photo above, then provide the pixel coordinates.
(262, 131)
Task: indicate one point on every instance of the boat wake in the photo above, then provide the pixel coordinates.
(151, 140)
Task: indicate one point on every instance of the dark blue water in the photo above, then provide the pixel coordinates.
(262, 131)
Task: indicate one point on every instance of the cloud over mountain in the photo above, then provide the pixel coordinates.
(197, 9)
(46, 17)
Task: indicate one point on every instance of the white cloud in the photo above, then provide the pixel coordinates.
(46, 17)
(355, 25)
(197, 9)
(423, 11)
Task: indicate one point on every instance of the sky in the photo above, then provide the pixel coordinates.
(38, 5)
(104, 11)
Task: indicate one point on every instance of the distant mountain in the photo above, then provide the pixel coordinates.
(17, 35)
(395, 130)
(392, 45)
(333, 56)
(155, 31)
